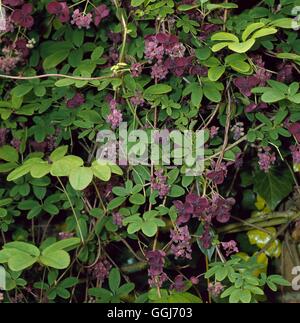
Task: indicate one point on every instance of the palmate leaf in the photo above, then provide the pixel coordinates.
(273, 186)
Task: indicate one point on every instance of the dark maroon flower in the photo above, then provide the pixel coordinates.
(168, 41)
(208, 29)
(23, 16)
(13, 3)
(22, 48)
(3, 133)
(255, 107)
(76, 101)
(198, 70)
(246, 84)
(199, 204)
(100, 13)
(60, 10)
(221, 208)
(206, 238)
(178, 284)
(185, 212)
(285, 73)
(181, 243)
(156, 260)
(39, 146)
(178, 65)
(217, 176)
(294, 129)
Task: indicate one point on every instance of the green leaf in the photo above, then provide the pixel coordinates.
(136, 3)
(264, 32)
(149, 228)
(211, 92)
(242, 47)
(101, 171)
(21, 261)
(157, 89)
(63, 166)
(245, 296)
(137, 199)
(97, 53)
(58, 153)
(21, 90)
(272, 95)
(80, 177)
(66, 244)
(40, 169)
(9, 154)
(295, 98)
(224, 36)
(197, 95)
(54, 59)
(64, 82)
(116, 202)
(273, 186)
(24, 247)
(214, 73)
(19, 172)
(114, 280)
(59, 259)
(125, 289)
(250, 29)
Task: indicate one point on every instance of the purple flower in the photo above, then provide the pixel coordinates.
(221, 208)
(3, 133)
(246, 84)
(266, 159)
(181, 243)
(100, 13)
(60, 10)
(178, 284)
(294, 129)
(159, 71)
(100, 270)
(230, 247)
(117, 219)
(218, 174)
(136, 69)
(23, 16)
(295, 150)
(81, 20)
(76, 101)
(156, 261)
(159, 183)
(13, 3)
(115, 117)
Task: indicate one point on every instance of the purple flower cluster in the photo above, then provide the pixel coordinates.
(194, 205)
(178, 284)
(117, 219)
(156, 261)
(246, 83)
(215, 288)
(136, 69)
(137, 100)
(230, 247)
(266, 159)
(221, 208)
(76, 101)
(295, 150)
(115, 117)
(238, 130)
(166, 54)
(100, 270)
(159, 183)
(218, 173)
(294, 129)
(81, 20)
(181, 242)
